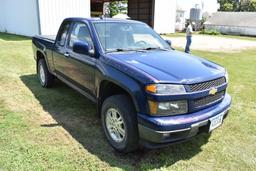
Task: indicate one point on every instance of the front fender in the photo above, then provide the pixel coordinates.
(106, 72)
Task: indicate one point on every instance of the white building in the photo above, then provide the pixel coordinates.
(180, 19)
(31, 17)
(234, 23)
(164, 16)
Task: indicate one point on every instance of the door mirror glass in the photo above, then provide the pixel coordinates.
(81, 47)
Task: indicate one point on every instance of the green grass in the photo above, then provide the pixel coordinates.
(181, 34)
(57, 129)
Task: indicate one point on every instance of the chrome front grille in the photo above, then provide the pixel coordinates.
(207, 85)
(198, 103)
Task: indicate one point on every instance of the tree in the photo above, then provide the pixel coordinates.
(253, 5)
(237, 5)
(228, 7)
(117, 7)
(248, 5)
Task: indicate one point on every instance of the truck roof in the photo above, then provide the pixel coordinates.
(100, 19)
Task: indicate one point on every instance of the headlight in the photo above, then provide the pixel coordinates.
(166, 89)
(226, 76)
(168, 108)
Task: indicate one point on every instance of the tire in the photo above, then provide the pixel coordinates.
(45, 77)
(122, 104)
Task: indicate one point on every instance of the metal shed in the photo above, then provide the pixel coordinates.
(234, 23)
(30, 17)
(159, 14)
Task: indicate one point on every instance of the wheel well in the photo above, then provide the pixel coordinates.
(39, 55)
(108, 89)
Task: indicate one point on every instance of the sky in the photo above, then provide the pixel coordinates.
(209, 5)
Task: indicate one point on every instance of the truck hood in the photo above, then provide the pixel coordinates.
(170, 66)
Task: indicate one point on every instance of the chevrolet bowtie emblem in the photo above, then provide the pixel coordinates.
(213, 91)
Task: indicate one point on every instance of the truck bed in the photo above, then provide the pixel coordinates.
(50, 38)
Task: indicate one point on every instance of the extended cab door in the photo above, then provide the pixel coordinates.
(80, 68)
(61, 66)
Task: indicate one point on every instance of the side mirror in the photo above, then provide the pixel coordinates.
(81, 47)
(169, 42)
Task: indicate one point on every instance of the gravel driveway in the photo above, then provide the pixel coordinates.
(213, 43)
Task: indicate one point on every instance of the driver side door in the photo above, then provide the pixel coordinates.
(81, 69)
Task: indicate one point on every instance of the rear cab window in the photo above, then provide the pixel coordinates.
(63, 34)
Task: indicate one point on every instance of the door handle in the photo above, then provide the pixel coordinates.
(66, 54)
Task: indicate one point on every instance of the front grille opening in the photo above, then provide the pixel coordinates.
(204, 101)
(207, 85)
(175, 136)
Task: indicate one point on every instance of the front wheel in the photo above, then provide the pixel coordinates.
(119, 122)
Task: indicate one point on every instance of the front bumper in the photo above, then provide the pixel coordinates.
(155, 131)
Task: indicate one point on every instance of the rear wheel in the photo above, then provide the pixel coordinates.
(45, 77)
(119, 122)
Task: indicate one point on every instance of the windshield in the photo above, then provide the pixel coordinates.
(128, 36)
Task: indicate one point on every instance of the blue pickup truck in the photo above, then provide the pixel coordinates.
(146, 92)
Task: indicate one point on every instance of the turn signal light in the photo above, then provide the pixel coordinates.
(151, 88)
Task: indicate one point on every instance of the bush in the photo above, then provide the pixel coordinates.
(210, 32)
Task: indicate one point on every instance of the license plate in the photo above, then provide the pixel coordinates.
(216, 121)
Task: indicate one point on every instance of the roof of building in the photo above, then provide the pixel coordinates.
(241, 19)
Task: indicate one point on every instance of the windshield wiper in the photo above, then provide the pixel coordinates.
(145, 49)
(154, 48)
(119, 50)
